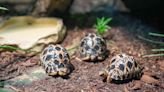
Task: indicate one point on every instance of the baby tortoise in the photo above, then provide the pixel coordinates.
(55, 60)
(93, 47)
(121, 67)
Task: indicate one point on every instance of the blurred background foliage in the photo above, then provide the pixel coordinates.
(139, 16)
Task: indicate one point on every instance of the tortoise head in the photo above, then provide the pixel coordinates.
(104, 74)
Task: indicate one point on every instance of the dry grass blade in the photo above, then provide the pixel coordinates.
(156, 34)
(153, 55)
(154, 42)
(162, 49)
(151, 41)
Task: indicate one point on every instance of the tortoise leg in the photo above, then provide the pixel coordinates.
(92, 58)
(39, 63)
(63, 72)
(100, 58)
(108, 79)
(53, 73)
(86, 58)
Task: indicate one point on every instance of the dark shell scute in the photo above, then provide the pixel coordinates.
(44, 52)
(102, 43)
(98, 39)
(48, 57)
(61, 65)
(96, 47)
(87, 47)
(65, 61)
(46, 70)
(58, 48)
(120, 55)
(112, 67)
(66, 55)
(56, 62)
(118, 77)
(123, 77)
(113, 60)
(82, 44)
(135, 64)
(129, 64)
(60, 56)
(50, 49)
(121, 67)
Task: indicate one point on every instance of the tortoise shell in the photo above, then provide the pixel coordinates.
(121, 67)
(93, 47)
(55, 60)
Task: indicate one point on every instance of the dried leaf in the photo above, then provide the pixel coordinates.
(149, 79)
(162, 68)
(137, 85)
(126, 89)
(161, 64)
(149, 73)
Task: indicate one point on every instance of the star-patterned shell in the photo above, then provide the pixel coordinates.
(55, 60)
(93, 47)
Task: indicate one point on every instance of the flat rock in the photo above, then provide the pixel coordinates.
(31, 33)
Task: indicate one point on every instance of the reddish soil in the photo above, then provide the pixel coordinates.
(85, 78)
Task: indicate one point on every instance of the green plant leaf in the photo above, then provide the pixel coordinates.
(3, 8)
(101, 25)
(106, 21)
(13, 48)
